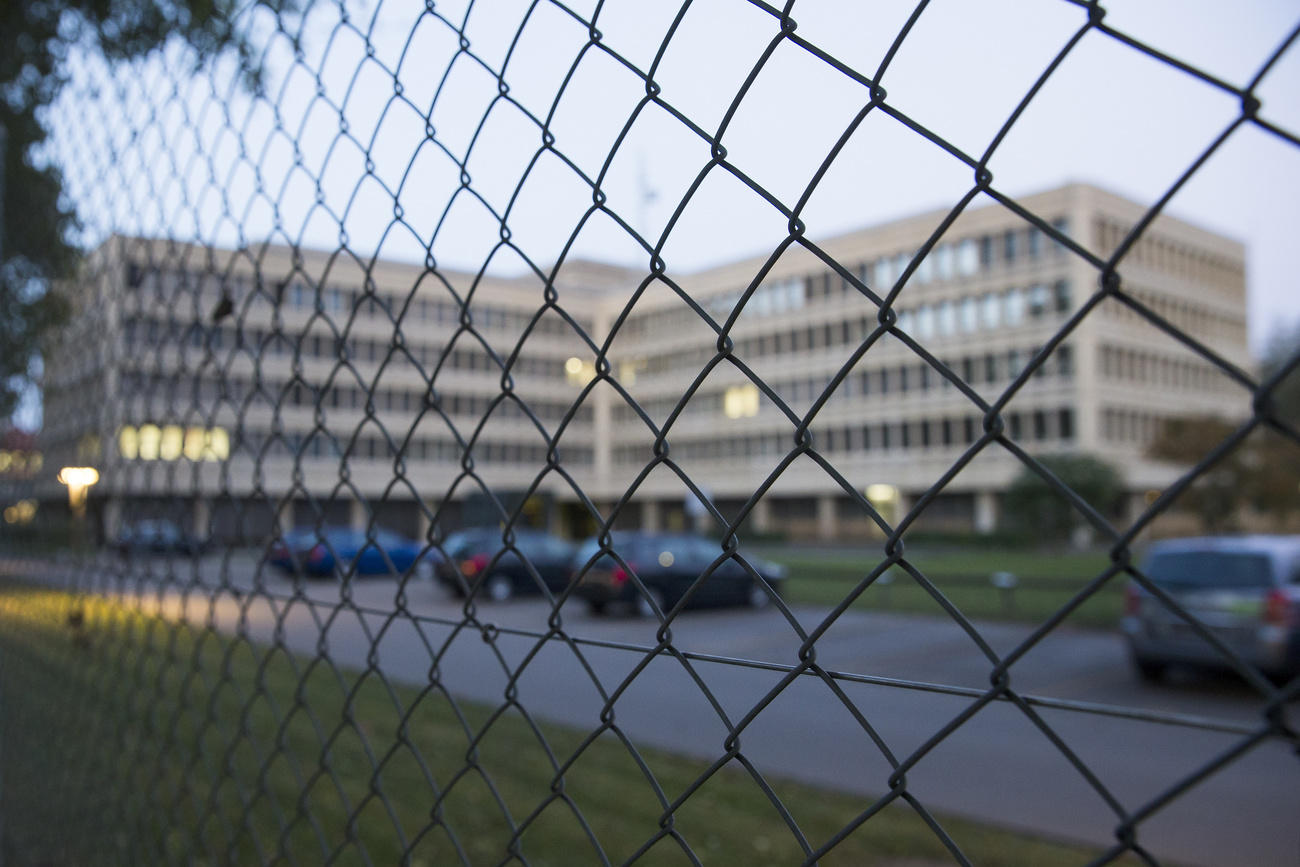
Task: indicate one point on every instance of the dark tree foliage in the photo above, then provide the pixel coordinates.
(1033, 506)
(1217, 495)
(1283, 357)
(36, 249)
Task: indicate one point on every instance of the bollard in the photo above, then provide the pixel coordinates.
(1006, 583)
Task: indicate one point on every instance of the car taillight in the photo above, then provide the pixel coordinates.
(474, 565)
(316, 554)
(1132, 601)
(620, 574)
(1277, 608)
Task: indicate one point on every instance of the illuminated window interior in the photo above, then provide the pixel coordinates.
(579, 371)
(740, 401)
(150, 442)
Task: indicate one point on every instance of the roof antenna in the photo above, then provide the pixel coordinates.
(646, 195)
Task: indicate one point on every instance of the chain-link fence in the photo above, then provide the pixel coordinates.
(396, 451)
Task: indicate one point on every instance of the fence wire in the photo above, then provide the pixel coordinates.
(212, 709)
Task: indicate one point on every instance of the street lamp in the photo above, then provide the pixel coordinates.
(78, 480)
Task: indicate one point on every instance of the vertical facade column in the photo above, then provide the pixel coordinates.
(201, 518)
(422, 522)
(356, 515)
(650, 516)
(761, 516)
(986, 512)
(826, 524)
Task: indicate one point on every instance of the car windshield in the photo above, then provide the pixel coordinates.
(1184, 570)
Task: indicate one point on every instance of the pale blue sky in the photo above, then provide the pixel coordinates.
(1109, 116)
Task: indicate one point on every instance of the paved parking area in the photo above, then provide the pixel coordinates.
(997, 767)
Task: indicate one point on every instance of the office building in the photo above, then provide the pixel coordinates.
(335, 388)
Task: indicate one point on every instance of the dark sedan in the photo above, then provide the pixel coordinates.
(668, 564)
(477, 558)
(157, 536)
(319, 553)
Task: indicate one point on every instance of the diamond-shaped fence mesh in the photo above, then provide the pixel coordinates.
(416, 449)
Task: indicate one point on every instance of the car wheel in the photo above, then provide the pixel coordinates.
(1150, 670)
(596, 606)
(758, 596)
(499, 588)
(643, 606)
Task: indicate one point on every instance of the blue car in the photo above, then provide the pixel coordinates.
(342, 550)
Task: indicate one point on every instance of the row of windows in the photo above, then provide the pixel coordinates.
(988, 311)
(1195, 319)
(437, 450)
(1136, 427)
(297, 293)
(1151, 369)
(916, 377)
(236, 391)
(270, 344)
(1172, 257)
(1040, 425)
(946, 262)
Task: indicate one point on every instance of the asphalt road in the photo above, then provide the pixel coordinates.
(998, 766)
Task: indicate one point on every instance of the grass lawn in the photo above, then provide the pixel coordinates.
(1047, 581)
(129, 739)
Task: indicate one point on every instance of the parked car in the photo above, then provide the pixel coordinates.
(157, 536)
(668, 564)
(1245, 590)
(477, 558)
(316, 553)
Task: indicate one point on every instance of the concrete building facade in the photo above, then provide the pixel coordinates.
(292, 386)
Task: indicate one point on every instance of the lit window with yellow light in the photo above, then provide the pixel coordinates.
(740, 401)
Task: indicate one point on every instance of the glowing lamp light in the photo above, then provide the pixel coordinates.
(78, 480)
(579, 372)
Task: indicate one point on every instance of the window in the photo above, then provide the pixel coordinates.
(986, 251)
(740, 401)
(1034, 245)
(991, 310)
(1065, 360)
(1040, 424)
(885, 275)
(1065, 424)
(967, 316)
(1061, 290)
(1013, 362)
(946, 318)
(943, 262)
(925, 321)
(906, 321)
(1010, 245)
(1038, 300)
(925, 269)
(1014, 306)
(1062, 225)
(967, 258)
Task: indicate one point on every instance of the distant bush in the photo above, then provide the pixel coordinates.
(1033, 507)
